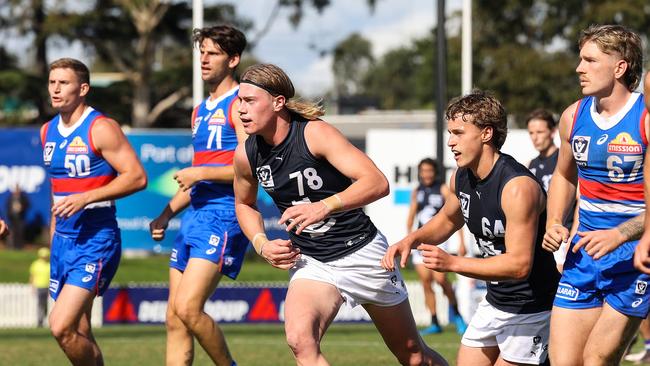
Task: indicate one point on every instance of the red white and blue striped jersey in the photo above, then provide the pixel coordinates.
(609, 153)
(214, 140)
(75, 166)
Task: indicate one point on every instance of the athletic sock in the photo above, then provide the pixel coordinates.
(454, 307)
(646, 344)
(434, 320)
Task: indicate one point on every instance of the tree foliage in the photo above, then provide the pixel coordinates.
(524, 51)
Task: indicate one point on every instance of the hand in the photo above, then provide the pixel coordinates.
(4, 229)
(187, 178)
(69, 205)
(400, 249)
(435, 258)
(641, 257)
(280, 253)
(304, 214)
(600, 242)
(157, 228)
(554, 237)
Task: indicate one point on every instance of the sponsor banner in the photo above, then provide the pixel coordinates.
(229, 304)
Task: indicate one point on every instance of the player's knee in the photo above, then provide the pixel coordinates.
(172, 320)
(301, 343)
(189, 315)
(62, 332)
(592, 358)
(411, 353)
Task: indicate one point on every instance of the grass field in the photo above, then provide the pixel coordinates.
(344, 344)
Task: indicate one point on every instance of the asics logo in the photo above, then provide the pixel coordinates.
(602, 139)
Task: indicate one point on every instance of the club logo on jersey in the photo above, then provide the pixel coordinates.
(48, 151)
(195, 125)
(90, 267)
(464, 204)
(77, 146)
(214, 240)
(228, 260)
(624, 144)
(580, 147)
(217, 118)
(265, 177)
(641, 287)
(566, 291)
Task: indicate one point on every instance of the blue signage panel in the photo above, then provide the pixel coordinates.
(21, 164)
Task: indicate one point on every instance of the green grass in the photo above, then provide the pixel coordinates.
(344, 344)
(15, 268)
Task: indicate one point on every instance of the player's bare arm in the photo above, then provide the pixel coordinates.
(111, 143)
(279, 253)
(178, 203)
(4, 229)
(441, 226)
(522, 202)
(188, 177)
(562, 189)
(325, 141)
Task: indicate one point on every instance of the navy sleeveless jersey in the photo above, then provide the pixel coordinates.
(481, 206)
(542, 168)
(75, 166)
(429, 201)
(291, 175)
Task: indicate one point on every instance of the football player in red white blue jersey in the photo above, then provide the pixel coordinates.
(601, 298)
(90, 164)
(210, 244)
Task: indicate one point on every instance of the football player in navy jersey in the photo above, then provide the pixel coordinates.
(319, 181)
(601, 298)
(503, 206)
(90, 164)
(210, 243)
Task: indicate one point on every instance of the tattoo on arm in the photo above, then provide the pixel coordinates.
(633, 228)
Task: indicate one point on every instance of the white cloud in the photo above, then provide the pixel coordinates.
(316, 79)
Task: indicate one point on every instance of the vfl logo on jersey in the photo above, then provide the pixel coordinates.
(464, 204)
(265, 177)
(77, 146)
(195, 125)
(624, 144)
(48, 151)
(218, 118)
(580, 147)
(90, 267)
(641, 287)
(214, 240)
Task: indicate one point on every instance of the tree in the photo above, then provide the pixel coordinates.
(352, 59)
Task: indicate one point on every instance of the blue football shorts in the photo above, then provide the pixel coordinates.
(586, 283)
(212, 235)
(86, 262)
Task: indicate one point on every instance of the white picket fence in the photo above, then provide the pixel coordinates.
(18, 304)
(18, 307)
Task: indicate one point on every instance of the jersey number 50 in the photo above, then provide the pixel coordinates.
(77, 165)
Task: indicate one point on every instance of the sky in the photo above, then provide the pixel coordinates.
(297, 50)
(392, 24)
